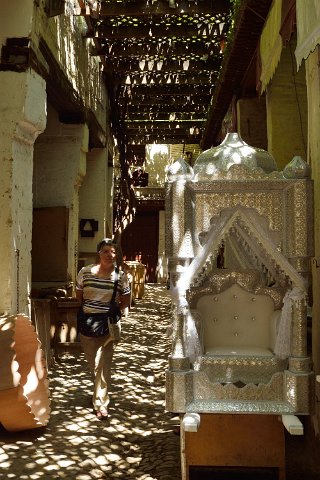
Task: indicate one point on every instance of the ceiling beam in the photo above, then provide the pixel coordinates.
(166, 138)
(143, 8)
(132, 92)
(161, 124)
(144, 44)
(125, 66)
(163, 103)
(146, 31)
(174, 78)
(184, 105)
(177, 47)
(171, 115)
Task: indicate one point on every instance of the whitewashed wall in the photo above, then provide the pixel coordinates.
(15, 19)
(22, 119)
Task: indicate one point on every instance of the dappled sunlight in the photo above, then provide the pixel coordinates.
(137, 442)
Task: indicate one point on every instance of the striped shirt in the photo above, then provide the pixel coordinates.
(97, 291)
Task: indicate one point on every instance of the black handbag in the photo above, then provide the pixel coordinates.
(99, 324)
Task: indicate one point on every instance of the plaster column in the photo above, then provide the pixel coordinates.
(313, 88)
(60, 165)
(23, 118)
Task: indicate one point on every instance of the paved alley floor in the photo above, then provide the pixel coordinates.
(137, 443)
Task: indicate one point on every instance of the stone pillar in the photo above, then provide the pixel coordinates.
(286, 102)
(23, 118)
(313, 88)
(60, 165)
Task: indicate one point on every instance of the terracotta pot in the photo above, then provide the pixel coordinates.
(24, 393)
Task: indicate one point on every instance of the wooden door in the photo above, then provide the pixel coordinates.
(140, 241)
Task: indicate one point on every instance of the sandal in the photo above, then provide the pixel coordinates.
(102, 414)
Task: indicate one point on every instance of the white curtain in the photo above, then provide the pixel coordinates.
(308, 28)
(270, 44)
(283, 341)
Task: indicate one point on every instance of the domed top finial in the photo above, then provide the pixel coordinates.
(179, 170)
(297, 168)
(232, 151)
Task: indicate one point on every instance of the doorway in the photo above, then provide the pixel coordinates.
(140, 240)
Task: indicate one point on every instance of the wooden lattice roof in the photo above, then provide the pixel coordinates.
(162, 59)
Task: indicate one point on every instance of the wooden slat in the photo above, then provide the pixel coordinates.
(161, 67)
(177, 47)
(133, 124)
(176, 78)
(165, 138)
(143, 8)
(168, 89)
(155, 31)
(185, 39)
(187, 117)
(164, 104)
(172, 132)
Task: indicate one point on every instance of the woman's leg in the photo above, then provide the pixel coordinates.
(99, 357)
(103, 375)
(89, 346)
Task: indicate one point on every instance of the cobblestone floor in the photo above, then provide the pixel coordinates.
(137, 443)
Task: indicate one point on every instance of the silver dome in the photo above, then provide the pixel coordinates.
(232, 151)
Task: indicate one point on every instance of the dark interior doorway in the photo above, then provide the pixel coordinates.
(50, 244)
(140, 241)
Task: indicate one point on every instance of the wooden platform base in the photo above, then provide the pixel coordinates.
(229, 441)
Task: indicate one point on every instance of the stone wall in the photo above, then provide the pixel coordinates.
(61, 93)
(22, 121)
(15, 19)
(96, 199)
(252, 123)
(64, 36)
(313, 86)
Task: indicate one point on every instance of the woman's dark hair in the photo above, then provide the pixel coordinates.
(104, 242)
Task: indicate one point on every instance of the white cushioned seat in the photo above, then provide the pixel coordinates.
(238, 322)
(238, 330)
(239, 351)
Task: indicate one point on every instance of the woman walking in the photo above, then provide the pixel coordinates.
(97, 285)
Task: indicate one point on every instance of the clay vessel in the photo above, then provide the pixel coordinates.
(24, 393)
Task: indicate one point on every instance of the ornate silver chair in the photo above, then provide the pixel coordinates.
(239, 332)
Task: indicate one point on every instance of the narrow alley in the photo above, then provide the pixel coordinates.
(183, 136)
(137, 443)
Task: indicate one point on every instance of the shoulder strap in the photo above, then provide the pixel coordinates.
(115, 286)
